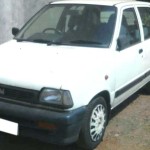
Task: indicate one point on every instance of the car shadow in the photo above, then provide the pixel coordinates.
(8, 142)
(126, 103)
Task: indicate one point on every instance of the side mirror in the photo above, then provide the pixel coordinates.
(122, 43)
(15, 31)
(118, 44)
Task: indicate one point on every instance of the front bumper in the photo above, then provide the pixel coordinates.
(49, 126)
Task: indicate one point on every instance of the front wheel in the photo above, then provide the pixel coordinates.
(94, 124)
(147, 88)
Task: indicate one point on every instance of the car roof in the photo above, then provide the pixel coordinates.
(102, 2)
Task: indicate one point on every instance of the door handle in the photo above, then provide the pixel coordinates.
(140, 51)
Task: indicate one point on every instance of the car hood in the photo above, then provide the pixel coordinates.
(33, 65)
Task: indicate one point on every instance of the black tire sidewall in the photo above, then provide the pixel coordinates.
(85, 137)
(147, 88)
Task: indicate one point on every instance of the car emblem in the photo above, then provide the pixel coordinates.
(2, 91)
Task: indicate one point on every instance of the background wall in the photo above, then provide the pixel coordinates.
(14, 13)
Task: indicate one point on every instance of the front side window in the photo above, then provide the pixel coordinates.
(129, 30)
(145, 17)
(71, 24)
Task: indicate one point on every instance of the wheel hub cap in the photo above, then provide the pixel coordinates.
(97, 122)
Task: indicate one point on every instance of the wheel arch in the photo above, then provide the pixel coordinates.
(84, 136)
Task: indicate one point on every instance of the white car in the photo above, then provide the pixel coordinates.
(70, 65)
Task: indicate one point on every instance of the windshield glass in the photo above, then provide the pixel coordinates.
(71, 24)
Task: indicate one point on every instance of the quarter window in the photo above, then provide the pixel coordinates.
(145, 17)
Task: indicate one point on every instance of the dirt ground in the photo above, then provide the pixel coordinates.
(128, 129)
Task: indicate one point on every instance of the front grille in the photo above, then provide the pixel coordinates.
(18, 94)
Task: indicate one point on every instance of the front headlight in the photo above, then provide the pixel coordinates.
(57, 98)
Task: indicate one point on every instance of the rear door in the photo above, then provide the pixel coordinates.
(145, 19)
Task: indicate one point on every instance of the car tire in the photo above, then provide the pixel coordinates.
(94, 124)
(147, 88)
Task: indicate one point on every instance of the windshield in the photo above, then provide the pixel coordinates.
(71, 24)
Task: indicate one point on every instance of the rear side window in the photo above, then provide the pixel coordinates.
(145, 17)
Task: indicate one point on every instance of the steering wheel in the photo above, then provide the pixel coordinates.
(53, 29)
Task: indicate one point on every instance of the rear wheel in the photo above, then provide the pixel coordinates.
(94, 124)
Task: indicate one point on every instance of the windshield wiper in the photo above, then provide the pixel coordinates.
(56, 43)
(34, 40)
(84, 42)
(73, 42)
(22, 40)
(40, 41)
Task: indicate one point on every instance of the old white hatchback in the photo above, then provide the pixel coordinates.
(70, 65)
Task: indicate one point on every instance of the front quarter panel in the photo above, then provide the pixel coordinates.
(92, 73)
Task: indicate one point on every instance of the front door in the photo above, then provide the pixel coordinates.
(130, 55)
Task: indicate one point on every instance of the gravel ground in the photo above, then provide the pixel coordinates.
(128, 129)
